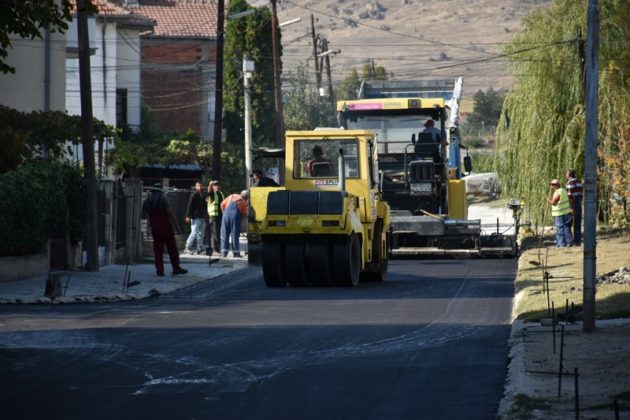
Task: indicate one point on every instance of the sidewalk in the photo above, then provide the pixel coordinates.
(108, 284)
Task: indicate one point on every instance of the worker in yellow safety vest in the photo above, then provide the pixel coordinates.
(561, 212)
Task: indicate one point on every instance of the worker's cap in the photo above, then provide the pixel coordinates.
(156, 187)
(429, 123)
(554, 182)
(215, 182)
(245, 194)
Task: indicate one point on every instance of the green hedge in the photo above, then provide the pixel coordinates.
(34, 199)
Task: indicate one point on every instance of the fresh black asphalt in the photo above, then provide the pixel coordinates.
(429, 343)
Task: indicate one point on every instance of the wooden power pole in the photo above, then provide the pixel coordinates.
(218, 94)
(318, 73)
(275, 43)
(590, 164)
(87, 137)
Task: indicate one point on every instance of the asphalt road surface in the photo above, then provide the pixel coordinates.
(429, 343)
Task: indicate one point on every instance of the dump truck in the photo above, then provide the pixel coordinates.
(422, 170)
(328, 225)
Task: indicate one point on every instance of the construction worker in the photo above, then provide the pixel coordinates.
(234, 208)
(561, 212)
(435, 132)
(574, 191)
(214, 198)
(196, 216)
(163, 224)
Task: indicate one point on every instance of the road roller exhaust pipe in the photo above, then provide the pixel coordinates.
(342, 173)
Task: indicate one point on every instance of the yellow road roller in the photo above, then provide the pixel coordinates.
(328, 226)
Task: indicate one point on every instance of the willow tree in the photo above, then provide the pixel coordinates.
(541, 131)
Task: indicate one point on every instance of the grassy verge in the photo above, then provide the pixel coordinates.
(565, 267)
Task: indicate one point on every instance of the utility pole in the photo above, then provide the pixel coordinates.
(248, 68)
(218, 94)
(275, 43)
(331, 95)
(590, 165)
(87, 137)
(318, 73)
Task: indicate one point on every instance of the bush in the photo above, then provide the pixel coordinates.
(34, 201)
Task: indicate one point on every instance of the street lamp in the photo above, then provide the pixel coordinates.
(242, 14)
(248, 69)
(327, 53)
(289, 22)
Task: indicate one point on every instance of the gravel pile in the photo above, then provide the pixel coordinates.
(621, 276)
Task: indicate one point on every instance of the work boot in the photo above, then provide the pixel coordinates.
(180, 271)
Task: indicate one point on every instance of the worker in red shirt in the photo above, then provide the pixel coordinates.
(163, 223)
(234, 208)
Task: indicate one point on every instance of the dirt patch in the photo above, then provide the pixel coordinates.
(602, 357)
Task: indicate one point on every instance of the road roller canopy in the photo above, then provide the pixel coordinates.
(313, 158)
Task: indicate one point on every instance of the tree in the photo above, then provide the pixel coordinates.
(371, 72)
(30, 136)
(250, 35)
(302, 109)
(541, 130)
(487, 107)
(349, 86)
(28, 19)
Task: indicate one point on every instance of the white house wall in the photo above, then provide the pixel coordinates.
(114, 65)
(128, 75)
(25, 90)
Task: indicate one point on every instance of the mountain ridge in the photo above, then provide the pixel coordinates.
(412, 39)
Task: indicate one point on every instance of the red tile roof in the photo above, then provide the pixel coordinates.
(180, 18)
(104, 7)
(174, 18)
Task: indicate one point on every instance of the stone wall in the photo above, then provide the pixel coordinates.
(19, 267)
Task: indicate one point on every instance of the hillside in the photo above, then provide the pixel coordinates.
(410, 38)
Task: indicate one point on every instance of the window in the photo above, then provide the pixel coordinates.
(121, 108)
(320, 158)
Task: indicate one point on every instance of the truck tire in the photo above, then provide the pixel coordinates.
(273, 264)
(347, 261)
(377, 270)
(319, 263)
(294, 262)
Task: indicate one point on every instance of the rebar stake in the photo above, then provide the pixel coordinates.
(577, 394)
(553, 327)
(561, 356)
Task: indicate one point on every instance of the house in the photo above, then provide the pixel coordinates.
(178, 63)
(115, 65)
(38, 83)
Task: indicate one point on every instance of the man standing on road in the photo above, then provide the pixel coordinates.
(234, 208)
(162, 221)
(574, 191)
(561, 212)
(215, 198)
(196, 216)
